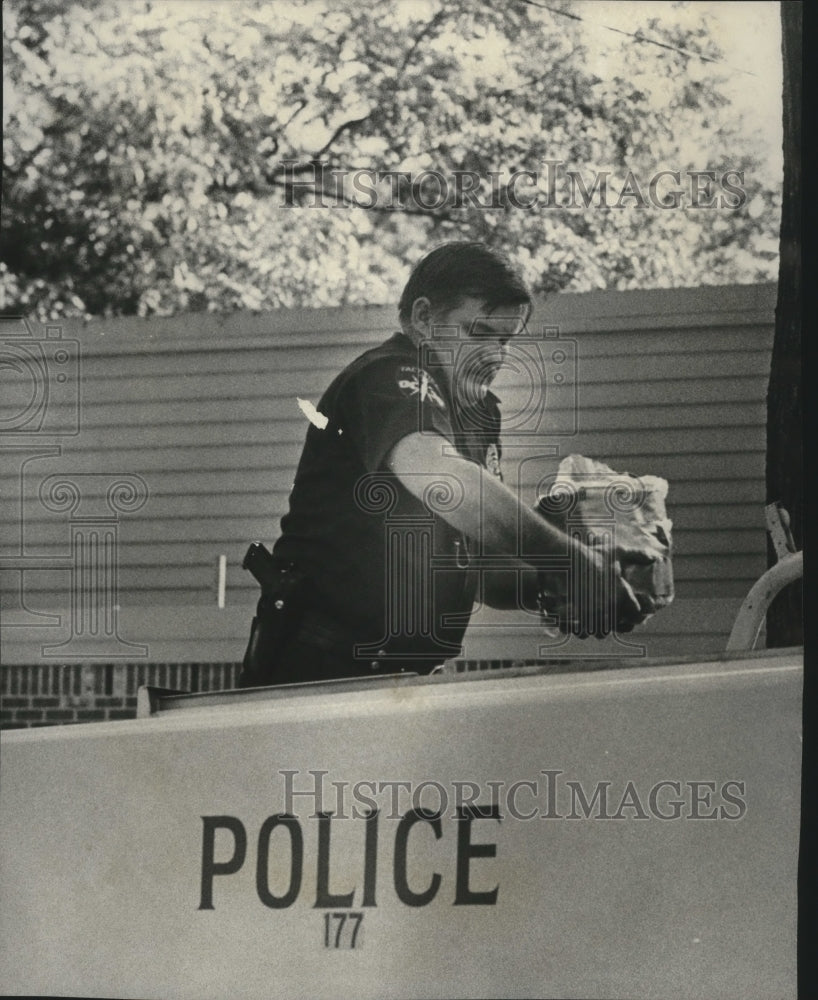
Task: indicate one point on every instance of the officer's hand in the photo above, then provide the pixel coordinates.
(629, 609)
(633, 559)
(599, 600)
(610, 601)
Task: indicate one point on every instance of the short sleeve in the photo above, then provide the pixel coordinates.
(384, 402)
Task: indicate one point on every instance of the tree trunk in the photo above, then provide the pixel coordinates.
(784, 408)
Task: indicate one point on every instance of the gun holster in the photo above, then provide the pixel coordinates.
(278, 614)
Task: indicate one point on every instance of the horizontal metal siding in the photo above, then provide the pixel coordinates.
(204, 409)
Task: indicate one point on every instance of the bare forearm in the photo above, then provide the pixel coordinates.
(488, 512)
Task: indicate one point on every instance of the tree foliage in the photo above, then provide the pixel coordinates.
(151, 145)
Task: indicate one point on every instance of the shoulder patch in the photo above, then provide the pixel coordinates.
(416, 382)
(493, 461)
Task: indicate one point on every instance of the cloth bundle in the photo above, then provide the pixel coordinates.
(588, 493)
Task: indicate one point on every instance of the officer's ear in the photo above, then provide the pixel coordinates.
(422, 316)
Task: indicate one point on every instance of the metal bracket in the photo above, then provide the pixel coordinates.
(778, 525)
(790, 567)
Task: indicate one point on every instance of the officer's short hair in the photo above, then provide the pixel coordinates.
(453, 272)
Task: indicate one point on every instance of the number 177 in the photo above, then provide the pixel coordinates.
(342, 940)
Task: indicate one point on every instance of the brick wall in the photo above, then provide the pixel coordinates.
(60, 694)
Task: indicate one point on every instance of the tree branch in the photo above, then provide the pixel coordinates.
(339, 131)
(425, 31)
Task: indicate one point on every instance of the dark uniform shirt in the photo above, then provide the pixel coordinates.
(385, 567)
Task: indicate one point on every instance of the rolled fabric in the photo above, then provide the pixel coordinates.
(591, 494)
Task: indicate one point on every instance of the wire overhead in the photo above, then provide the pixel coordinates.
(637, 36)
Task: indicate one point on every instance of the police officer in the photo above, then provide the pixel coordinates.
(398, 488)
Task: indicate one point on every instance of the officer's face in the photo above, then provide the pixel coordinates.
(477, 339)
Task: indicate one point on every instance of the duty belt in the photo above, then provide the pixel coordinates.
(319, 629)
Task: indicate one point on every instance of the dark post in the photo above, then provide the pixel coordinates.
(784, 405)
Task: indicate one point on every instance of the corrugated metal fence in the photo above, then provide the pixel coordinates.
(182, 440)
